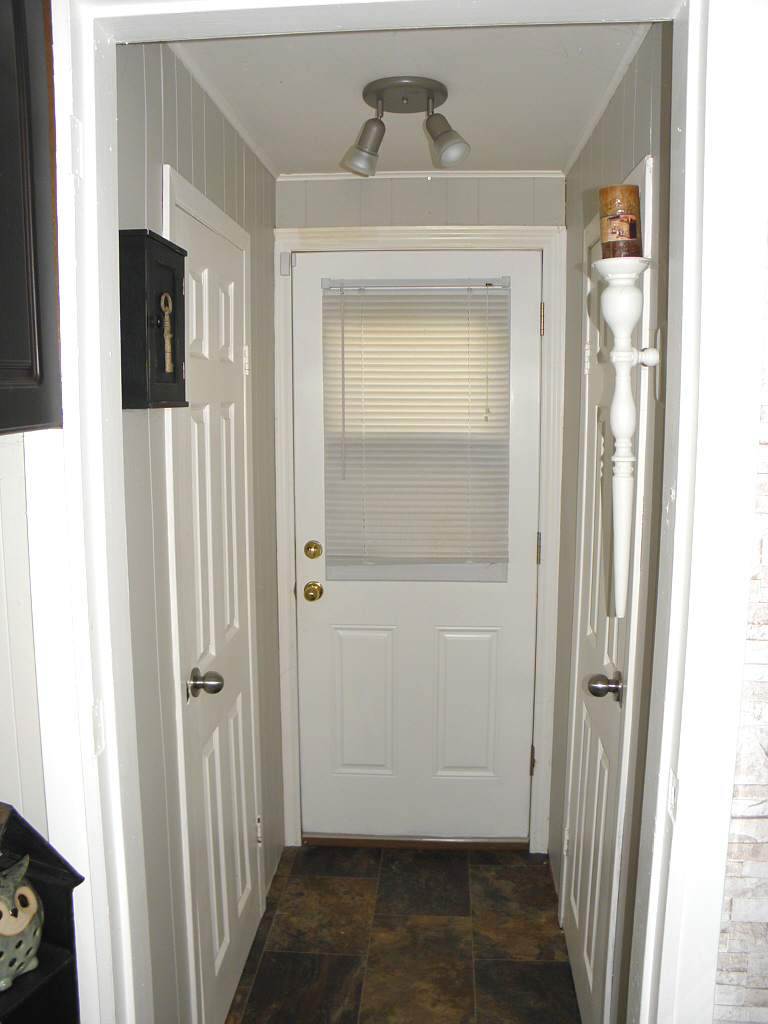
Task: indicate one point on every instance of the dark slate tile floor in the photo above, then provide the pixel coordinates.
(399, 936)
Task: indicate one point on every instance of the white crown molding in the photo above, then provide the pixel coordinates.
(601, 106)
(345, 176)
(183, 54)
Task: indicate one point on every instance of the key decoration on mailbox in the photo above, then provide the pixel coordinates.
(166, 304)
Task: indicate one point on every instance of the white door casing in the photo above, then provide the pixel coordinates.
(603, 733)
(416, 697)
(209, 480)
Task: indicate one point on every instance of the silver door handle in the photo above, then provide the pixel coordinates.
(211, 682)
(601, 686)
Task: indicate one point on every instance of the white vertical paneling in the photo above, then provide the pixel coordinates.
(506, 201)
(466, 716)
(153, 114)
(462, 198)
(170, 115)
(184, 133)
(214, 153)
(375, 201)
(240, 181)
(419, 201)
(438, 200)
(333, 202)
(548, 201)
(613, 155)
(199, 154)
(131, 170)
(21, 766)
(364, 687)
(230, 170)
(292, 204)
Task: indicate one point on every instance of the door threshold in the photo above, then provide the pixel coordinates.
(412, 842)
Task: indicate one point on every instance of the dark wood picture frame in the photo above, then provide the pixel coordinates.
(30, 362)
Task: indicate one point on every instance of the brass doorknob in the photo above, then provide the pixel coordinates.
(313, 549)
(313, 591)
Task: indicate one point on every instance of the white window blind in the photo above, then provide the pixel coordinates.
(416, 409)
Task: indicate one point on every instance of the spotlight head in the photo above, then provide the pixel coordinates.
(451, 148)
(362, 157)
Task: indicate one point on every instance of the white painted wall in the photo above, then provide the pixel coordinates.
(165, 117)
(21, 761)
(412, 199)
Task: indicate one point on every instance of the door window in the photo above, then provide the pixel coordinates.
(416, 380)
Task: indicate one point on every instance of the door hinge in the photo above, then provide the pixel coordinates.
(587, 358)
(533, 758)
(566, 840)
(538, 549)
(287, 260)
(541, 320)
(246, 359)
(259, 831)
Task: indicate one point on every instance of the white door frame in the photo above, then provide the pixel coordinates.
(551, 241)
(75, 477)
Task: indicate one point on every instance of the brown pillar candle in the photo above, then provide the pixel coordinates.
(620, 221)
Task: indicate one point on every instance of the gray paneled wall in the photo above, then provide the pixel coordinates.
(165, 117)
(409, 201)
(630, 129)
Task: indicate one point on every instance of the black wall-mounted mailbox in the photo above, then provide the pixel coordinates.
(151, 320)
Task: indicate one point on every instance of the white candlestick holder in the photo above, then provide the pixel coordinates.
(622, 306)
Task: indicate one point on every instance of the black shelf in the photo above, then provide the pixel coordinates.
(52, 960)
(49, 991)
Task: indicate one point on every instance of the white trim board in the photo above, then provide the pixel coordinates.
(551, 241)
(344, 175)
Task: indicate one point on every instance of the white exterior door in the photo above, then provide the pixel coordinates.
(603, 731)
(209, 478)
(416, 689)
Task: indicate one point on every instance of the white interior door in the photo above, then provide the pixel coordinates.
(415, 681)
(603, 731)
(209, 474)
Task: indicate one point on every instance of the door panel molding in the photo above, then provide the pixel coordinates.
(551, 242)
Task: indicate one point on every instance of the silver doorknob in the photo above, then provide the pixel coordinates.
(601, 686)
(211, 682)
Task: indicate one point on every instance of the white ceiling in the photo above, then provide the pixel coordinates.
(523, 97)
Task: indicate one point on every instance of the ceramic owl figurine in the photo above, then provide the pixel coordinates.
(21, 923)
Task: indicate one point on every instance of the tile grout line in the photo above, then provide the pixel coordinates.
(472, 936)
(370, 936)
(269, 932)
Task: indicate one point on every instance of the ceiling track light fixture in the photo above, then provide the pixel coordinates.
(404, 95)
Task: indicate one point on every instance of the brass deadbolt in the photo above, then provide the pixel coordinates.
(313, 591)
(313, 549)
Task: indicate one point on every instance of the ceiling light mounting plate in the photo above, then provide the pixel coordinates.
(405, 94)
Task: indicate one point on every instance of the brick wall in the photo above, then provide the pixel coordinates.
(742, 989)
